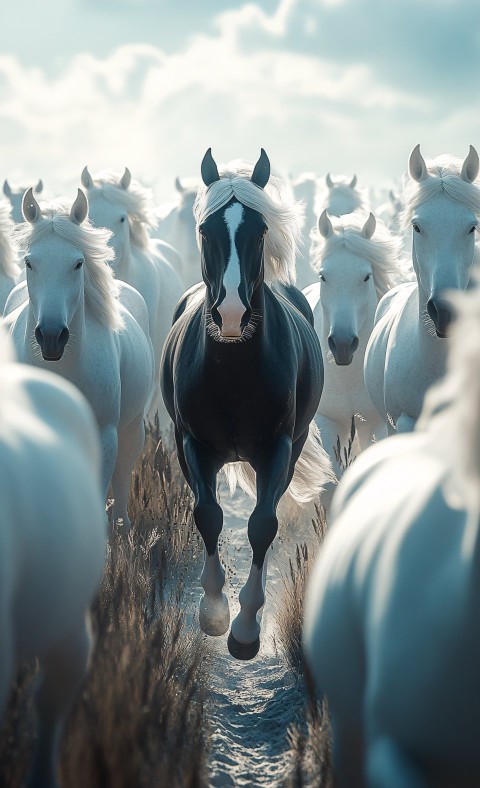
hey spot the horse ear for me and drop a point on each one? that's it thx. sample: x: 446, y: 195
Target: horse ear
x: 30, y: 207
x: 353, y: 182
x: 209, y: 169
x: 324, y: 225
x: 39, y: 186
x: 369, y: 227
x: 416, y: 165
x: 178, y: 185
x: 86, y: 178
x: 329, y: 181
x: 79, y: 209
x: 126, y: 179
x: 261, y: 171
x: 6, y: 188
x: 470, y: 166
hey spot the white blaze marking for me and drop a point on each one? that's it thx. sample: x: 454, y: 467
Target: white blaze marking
x: 232, y: 309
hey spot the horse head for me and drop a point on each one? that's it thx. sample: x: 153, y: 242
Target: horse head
x: 443, y: 219
x: 54, y: 268
x: 232, y: 248
x: 347, y: 290
x: 106, y: 211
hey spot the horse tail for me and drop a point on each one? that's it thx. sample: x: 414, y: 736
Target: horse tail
x: 313, y: 470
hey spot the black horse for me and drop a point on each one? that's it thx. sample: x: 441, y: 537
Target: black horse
x: 242, y: 376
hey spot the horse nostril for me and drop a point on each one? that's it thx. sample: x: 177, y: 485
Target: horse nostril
x: 38, y: 335
x: 64, y: 336
x: 331, y: 344
x: 432, y: 310
x: 354, y: 344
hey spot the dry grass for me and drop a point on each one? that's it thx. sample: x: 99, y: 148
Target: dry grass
x: 140, y: 719
x: 310, y: 741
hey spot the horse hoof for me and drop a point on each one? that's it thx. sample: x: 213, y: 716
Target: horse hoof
x: 243, y: 650
x: 214, y: 620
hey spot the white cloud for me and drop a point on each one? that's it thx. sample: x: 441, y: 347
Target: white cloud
x: 259, y: 81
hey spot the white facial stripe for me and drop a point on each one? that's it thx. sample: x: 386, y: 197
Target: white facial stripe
x: 231, y: 309
x: 233, y: 217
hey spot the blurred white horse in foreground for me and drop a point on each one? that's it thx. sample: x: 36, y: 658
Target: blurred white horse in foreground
x: 52, y: 542
x: 407, y: 349
x: 124, y: 207
x: 73, y: 322
x: 357, y: 260
x: 393, y: 606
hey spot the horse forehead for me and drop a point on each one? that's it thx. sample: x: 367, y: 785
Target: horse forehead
x: 441, y: 209
x: 53, y: 247
x: 102, y: 210
x: 343, y: 266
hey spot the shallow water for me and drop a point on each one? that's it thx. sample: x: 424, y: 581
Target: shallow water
x: 253, y: 703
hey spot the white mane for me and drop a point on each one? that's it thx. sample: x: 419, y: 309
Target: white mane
x: 444, y: 176
x: 382, y: 251
x: 137, y: 201
x: 101, y: 288
x: 8, y: 265
x: 452, y: 407
x: 282, y: 215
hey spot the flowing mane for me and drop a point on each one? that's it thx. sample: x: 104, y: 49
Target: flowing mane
x: 8, y: 265
x: 137, y: 201
x: 282, y: 216
x: 383, y: 250
x: 444, y: 176
x: 101, y: 288
x: 452, y: 407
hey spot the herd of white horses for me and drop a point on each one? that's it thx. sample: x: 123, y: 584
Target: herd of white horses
x: 88, y: 289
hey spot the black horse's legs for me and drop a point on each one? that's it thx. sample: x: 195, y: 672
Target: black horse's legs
x: 203, y: 466
x: 273, y: 476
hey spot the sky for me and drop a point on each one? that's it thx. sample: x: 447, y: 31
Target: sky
x: 346, y: 86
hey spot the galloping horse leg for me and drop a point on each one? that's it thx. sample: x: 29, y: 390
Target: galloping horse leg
x: 130, y: 443
x: 274, y: 472
x: 202, y: 466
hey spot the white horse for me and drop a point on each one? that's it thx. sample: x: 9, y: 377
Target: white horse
x: 305, y: 190
x: 177, y: 226
x: 407, y: 349
x: 15, y: 197
x: 74, y: 322
x: 52, y: 542
x: 392, y: 613
x: 9, y: 269
x: 357, y: 262
x: 124, y: 207
x: 341, y: 196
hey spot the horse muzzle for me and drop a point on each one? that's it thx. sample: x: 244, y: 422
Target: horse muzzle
x: 232, y: 311
x: 342, y: 349
x: 441, y: 315
x: 52, y: 341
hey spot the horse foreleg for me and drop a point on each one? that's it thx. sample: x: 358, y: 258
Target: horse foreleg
x: 202, y: 466
x: 274, y: 473
x: 131, y: 440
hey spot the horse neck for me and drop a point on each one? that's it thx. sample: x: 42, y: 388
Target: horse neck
x: 124, y: 263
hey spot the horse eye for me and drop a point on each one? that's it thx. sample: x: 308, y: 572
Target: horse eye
x: 416, y: 228
x: 322, y: 278
x: 367, y: 277
x: 28, y: 264
x: 473, y: 229
x: 78, y: 265
x: 122, y: 219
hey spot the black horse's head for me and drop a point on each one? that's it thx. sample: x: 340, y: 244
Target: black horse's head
x: 232, y: 257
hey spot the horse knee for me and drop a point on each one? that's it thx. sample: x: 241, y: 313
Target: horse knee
x: 209, y: 521
x: 262, y: 530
